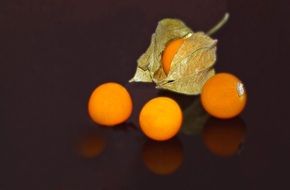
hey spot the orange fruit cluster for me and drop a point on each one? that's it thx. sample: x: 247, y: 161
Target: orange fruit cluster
x: 110, y: 104
x: 223, y: 96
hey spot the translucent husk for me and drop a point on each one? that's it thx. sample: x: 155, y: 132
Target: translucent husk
x: 191, y: 66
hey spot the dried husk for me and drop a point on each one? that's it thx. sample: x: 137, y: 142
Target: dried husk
x: 191, y: 66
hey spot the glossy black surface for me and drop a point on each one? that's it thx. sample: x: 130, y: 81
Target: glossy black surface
x: 53, y: 53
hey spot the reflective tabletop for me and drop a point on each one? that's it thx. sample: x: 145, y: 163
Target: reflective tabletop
x: 53, y: 53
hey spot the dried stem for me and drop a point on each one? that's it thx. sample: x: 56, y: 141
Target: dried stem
x: 219, y: 24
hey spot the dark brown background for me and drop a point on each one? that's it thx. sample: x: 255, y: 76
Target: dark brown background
x: 53, y: 53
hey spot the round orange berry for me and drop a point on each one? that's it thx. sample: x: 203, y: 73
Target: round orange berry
x: 110, y: 104
x: 160, y: 118
x: 169, y: 52
x: 223, y: 96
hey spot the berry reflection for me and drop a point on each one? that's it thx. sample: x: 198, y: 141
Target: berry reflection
x: 224, y: 137
x: 163, y: 158
x: 91, y: 145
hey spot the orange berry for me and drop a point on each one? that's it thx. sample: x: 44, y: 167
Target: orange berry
x: 224, y: 137
x: 110, y: 104
x: 160, y: 118
x: 169, y: 53
x: 163, y: 158
x: 223, y: 96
